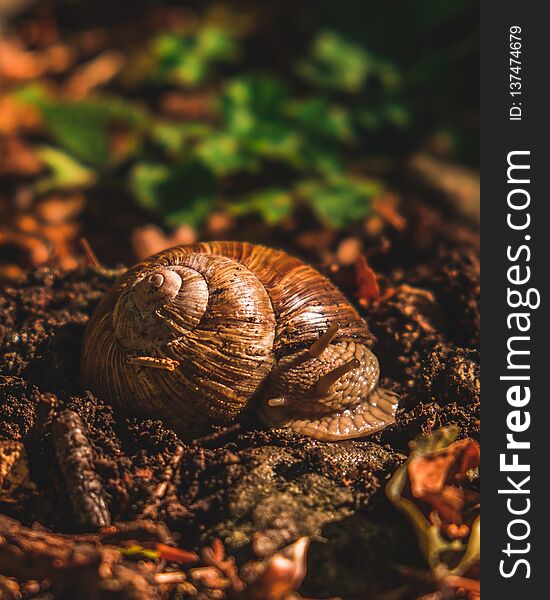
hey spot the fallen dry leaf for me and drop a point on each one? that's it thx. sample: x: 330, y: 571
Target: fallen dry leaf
x: 433, y: 480
x: 98, y: 71
x: 57, y: 208
x: 444, y: 514
x: 368, y: 289
x: 178, y: 555
x: 189, y: 105
x: 17, y: 63
x: 465, y: 584
x: 430, y: 473
x: 348, y: 251
x: 16, y: 116
x: 151, y: 239
x: 219, y: 224
x: 17, y: 158
x: 32, y: 251
x: 386, y: 207
x: 58, y: 58
x: 214, y: 557
x: 283, y: 573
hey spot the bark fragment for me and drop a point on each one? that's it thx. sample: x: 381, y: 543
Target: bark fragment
x: 75, y: 457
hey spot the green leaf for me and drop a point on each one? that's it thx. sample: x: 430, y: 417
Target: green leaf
x: 169, y: 51
x: 322, y: 159
x: 251, y: 103
x: 224, y: 155
x: 188, y: 60
x: 65, y: 172
x: 397, y: 114
x: 33, y: 93
x: 336, y: 64
x: 79, y: 128
x: 339, y: 200
x: 181, y: 194
x: 177, y: 138
x: 318, y: 118
x: 277, y: 142
x: 253, y: 112
x: 273, y: 205
x: 375, y: 117
x: 83, y: 128
x: 215, y: 43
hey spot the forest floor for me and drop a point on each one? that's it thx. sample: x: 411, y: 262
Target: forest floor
x: 146, y: 132
x: 255, y: 489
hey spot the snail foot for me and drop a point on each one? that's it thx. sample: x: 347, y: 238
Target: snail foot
x: 372, y: 414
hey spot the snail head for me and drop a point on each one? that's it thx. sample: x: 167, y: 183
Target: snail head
x: 338, y: 379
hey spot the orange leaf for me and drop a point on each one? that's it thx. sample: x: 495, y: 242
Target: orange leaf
x: 174, y: 554
x: 283, y: 573
x: 367, y: 284
x: 433, y: 477
x: 430, y: 473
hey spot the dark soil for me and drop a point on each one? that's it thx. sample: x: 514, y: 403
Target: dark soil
x: 257, y: 490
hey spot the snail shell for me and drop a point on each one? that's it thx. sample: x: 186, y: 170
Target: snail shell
x: 195, y: 334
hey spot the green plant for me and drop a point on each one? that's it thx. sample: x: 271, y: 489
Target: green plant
x: 306, y: 127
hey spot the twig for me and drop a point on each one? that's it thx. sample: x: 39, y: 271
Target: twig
x: 216, y: 435
x: 169, y: 472
x: 31, y: 554
x: 91, y: 256
x: 78, y: 566
x: 214, y: 556
x: 95, y: 264
x: 170, y: 577
x: 75, y: 457
x: 162, y: 487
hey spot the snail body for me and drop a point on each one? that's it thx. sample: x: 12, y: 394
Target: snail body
x: 196, y: 334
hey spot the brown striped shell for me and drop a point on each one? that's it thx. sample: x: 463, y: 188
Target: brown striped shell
x: 197, y: 333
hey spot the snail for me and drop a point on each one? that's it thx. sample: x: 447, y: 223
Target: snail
x: 197, y: 334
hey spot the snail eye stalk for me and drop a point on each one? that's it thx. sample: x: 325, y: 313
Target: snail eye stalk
x: 327, y: 380
x: 321, y: 344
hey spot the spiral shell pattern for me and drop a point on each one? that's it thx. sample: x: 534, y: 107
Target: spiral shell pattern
x: 224, y: 313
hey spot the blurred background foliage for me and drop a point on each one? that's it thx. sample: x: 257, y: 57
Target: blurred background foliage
x: 255, y: 110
